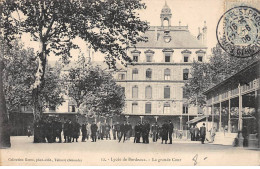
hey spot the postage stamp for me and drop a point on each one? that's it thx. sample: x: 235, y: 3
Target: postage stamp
x: 238, y: 31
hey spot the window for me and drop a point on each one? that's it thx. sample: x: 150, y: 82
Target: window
x: 166, y: 108
x: 186, y: 59
x: 167, y: 92
x: 72, y: 108
x: 148, y: 74
x: 148, y: 108
x: 185, y: 109
x: 167, y: 74
x: 148, y: 92
x: 121, y: 76
x: 185, y: 74
x: 135, y: 74
x: 135, y: 58
x: 134, y: 108
x: 200, y: 58
x: 148, y: 58
x: 135, y: 92
x: 167, y: 57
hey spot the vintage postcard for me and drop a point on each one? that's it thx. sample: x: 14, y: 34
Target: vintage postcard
x: 129, y: 83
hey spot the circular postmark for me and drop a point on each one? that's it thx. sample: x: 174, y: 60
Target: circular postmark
x: 238, y: 31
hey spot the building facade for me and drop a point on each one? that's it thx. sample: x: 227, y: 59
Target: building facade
x: 154, y: 81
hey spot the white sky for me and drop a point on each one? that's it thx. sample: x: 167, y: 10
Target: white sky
x: 190, y: 12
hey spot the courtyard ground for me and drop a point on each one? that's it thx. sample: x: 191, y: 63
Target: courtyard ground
x: 110, y: 152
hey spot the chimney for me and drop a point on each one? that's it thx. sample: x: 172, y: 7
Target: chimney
x: 204, y: 34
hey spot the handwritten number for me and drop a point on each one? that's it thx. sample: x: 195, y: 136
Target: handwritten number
x: 195, y: 159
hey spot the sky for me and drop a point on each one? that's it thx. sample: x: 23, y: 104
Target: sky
x: 189, y: 12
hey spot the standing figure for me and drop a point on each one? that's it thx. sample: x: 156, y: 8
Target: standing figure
x: 196, y: 133
x: 123, y: 131
x: 58, y: 129
x: 102, y: 130
x: 65, y: 130
x: 76, y: 130
x: 107, y: 131
x: 94, y: 128
x: 192, y: 133
x: 170, y: 131
x: 29, y: 131
x: 84, y: 132
x: 129, y: 130
x: 70, y: 131
x: 117, y: 130
x: 88, y: 126
x: 137, y: 133
x: 203, y: 133
x: 146, y: 132
x: 213, y: 134
x: 164, y: 133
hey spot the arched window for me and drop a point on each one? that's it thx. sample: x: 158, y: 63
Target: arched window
x: 166, y: 108
x: 135, y: 74
x: 135, y: 92
x: 148, y: 74
x: 134, y: 108
x: 148, y: 108
x: 167, y: 74
x: 167, y: 92
x: 185, y: 74
x: 148, y: 92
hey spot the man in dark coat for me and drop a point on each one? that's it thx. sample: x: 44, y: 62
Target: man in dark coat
x: 203, y: 133
x: 70, y: 131
x: 76, y: 130
x: 146, y: 132
x: 123, y: 131
x: 192, y: 133
x: 65, y: 130
x: 137, y: 133
x: 84, y: 132
x: 94, y: 128
x: 107, y: 131
x: 170, y: 131
x: 165, y: 128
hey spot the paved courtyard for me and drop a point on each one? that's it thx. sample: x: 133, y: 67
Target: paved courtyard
x: 110, y: 152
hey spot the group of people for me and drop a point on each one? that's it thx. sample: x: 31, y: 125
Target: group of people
x: 198, y: 134
x: 50, y: 129
x: 142, y: 130
x: 47, y: 130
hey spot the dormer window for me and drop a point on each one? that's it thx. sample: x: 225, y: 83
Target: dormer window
x: 167, y: 54
x: 135, y: 54
x: 186, y: 54
x: 149, y: 55
x: 200, y: 54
